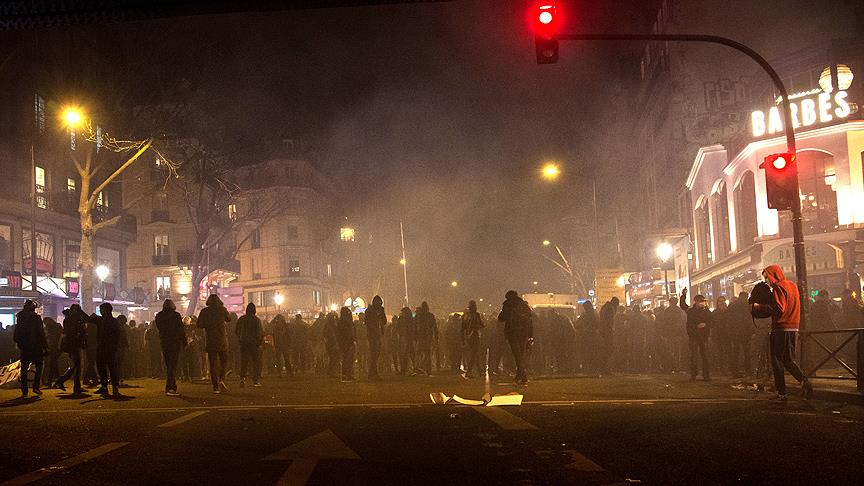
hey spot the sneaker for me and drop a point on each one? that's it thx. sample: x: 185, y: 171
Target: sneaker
x: 217, y: 391
x: 59, y: 385
x: 806, y: 390
x: 223, y: 387
x: 37, y: 391
x: 172, y: 393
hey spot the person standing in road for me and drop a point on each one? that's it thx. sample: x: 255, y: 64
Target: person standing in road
x: 281, y: 344
x: 251, y: 334
x: 29, y: 335
x: 172, y: 337
x: 741, y: 331
x: 472, y: 327
x: 405, y: 336
x: 53, y: 332
x: 519, y: 330
x: 74, y: 340
x: 698, y: 329
x: 375, y: 321
x: 91, y: 377
x: 331, y: 343
x: 212, y: 319
x: 426, y: 333
x: 109, y: 336
x: 721, y: 335
x: 785, y: 318
x: 153, y: 349
x: 346, y: 338
x: 608, y: 315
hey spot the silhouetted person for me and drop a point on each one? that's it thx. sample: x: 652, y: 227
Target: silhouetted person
x: 425, y: 333
x: 405, y: 336
x: 53, y: 332
x: 251, y: 334
x: 281, y: 344
x: 29, y: 336
x: 375, y: 320
x: 346, y: 338
x: 153, y: 348
x: 785, y: 319
x: 608, y: 315
x: 721, y: 334
x: 172, y: 337
x: 91, y: 378
x: 519, y: 331
x: 698, y: 329
x: 331, y: 343
x: 588, y: 338
x: 472, y: 328
x: 212, y: 319
x: 741, y: 328
x: 107, y: 345
x: 74, y: 341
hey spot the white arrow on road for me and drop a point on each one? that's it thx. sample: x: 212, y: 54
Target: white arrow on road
x: 304, y: 456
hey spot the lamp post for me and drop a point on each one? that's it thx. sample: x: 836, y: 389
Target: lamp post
x: 665, y: 252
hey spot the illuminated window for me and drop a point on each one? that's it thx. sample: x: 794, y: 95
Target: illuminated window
x: 70, y: 185
x: 101, y: 200
x: 745, y: 211
x: 71, y: 252
x: 41, y: 200
x: 703, y: 235
x: 163, y: 287
x: 160, y: 245
x: 294, y: 266
x: 329, y: 270
x: 232, y: 212
x: 40, y: 113
x: 346, y: 234
x: 817, y: 181
x: 720, y: 218
x: 316, y: 297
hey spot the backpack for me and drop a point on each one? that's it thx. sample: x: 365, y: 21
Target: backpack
x: 764, y: 296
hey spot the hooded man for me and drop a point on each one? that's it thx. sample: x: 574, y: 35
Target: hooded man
x: 699, y: 320
x: 785, y: 318
x: 251, y: 334
x: 109, y: 334
x: 29, y: 335
x: 375, y: 320
x: 405, y: 337
x: 73, y: 342
x: 426, y: 332
x: 281, y: 344
x: 607, y: 332
x: 213, y: 319
x: 472, y: 325
x: 519, y: 331
x: 172, y: 337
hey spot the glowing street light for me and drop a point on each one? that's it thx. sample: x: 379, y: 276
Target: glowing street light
x: 551, y: 171
x: 546, y: 242
x: 278, y: 299
x: 402, y: 261
x: 536, y: 282
x: 454, y: 284
x: 102, y: 271
x: 72, y: 116
x: 664, y: 251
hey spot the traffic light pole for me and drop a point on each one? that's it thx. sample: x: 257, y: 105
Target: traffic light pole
x: 797, y: 224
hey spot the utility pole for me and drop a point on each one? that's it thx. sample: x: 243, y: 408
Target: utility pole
x: 404, y: 262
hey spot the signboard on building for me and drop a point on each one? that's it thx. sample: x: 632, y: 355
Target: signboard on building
x: 608, y: 283
x: 821, y: 258
x: 807, y: 109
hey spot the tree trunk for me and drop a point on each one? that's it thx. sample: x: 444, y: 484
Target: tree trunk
x: 86, y: 264
x: 198, y: 275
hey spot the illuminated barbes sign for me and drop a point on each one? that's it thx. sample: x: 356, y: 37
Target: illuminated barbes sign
x: 821, y: 108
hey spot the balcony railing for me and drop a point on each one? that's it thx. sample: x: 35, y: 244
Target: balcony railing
x: 162, y: 259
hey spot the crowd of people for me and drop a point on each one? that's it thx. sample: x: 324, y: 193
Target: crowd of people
x: 100, y: 349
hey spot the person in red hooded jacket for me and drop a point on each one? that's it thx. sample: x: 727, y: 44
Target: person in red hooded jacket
x: 785, y: 319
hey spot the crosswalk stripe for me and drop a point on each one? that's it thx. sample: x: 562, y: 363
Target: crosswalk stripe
x: 504, y: 419
x: 63, y: 465
x: 182, y: 419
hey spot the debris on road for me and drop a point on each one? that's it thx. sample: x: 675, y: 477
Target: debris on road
x: 488, y: 400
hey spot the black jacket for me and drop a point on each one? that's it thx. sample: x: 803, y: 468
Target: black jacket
x: 212, y: 319
x: 375, y: 320
x: 74, y: 330
x: 696, y: 316
x: 109, y: 334
x: 29, y: 334
x: 172, y: 335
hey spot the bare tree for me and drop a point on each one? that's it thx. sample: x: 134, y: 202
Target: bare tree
x: 576, y: 270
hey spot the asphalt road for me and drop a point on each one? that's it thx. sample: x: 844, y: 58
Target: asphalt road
x: 310, y: 430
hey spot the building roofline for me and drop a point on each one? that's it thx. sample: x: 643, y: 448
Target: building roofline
x: 697, y: 163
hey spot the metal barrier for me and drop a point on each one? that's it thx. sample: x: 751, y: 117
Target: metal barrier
x: 858, y: 372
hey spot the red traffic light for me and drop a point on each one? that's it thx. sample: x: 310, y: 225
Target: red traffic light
x: 781, y: 181
x: 779, y: 163
x: 546, y: 20
x: 545, y: 16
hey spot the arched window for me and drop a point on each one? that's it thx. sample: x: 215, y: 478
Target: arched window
x: 746, y: 229
x: 703, y: 233
x: 720, y: 213
x: 817, y: 180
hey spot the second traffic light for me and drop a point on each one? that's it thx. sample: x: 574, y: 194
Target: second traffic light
x: 546, y: 24
x: 781, y: 181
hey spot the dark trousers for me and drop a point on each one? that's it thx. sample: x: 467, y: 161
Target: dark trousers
x: 333, y: 358
x: 406, y: 354
x: 519, y: 348
x: 90, y: 374
x: 156, y: 363
x: 253, y: 354
x: 741, y: 346
x: 347, y: 352
x: 699, y: 347
x: 53, y: 371
x: 38, y: 362
x: 171, y: 355
x: 423, y: 357
x: 282, y: 357
x: 218, y: 364
x: 374, y: 354
x: 474, y: 361
x: 73, y: 371
x: 782, y: 350
x: 106, y: 362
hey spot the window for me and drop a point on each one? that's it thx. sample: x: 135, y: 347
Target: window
x: 163, y: 287
x: 255, y: 238
x: 703, y: 235
x: 818, y: 183
x: 720, y: 220
x: 41, y: 200
x: 316, y: 297
x: 292, y: 232
x: 745, y: 211
x: 40, y: 113
x: 262, y: 299
x: 346, y: 234
x: 232, y: 212
x: 160, y: 247
x: 70, y: 185
x: 71, y: 252
x: 294, y: 266
x: 329, y: 270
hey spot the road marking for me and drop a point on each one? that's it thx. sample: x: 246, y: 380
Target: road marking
x: 242, y: 409
x: 184, y: 418
x: 312, y: 407
x: 63, y: 465
x: 504, y: 419
x: 385, y: 407
x: 304, y: 456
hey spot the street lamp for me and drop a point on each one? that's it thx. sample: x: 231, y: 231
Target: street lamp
x: 546, y: 242
x: 72, y: 116
x: 665, y: 252
x: 102, y: 271
x: 551, y: 171
x: 402, y: 261
x: 278, y: 299
x: 454, y: 284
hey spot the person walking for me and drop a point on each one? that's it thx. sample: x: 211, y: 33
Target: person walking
x: 109, y: 335
x: 73, y: 342
x: 91, y: 377
x: 250, y: 331
x: 53, y: 332
x: 785, y: 318
x: 519, y: 331
x: 346, y: 337
x: 172, y: 337
x: 472, y: 327
x: 426, y: 333
x: 212, y: 319
x: 281, y: 344
x: 376, y: 320
x: 29, y: 336
x: 698, y: 330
